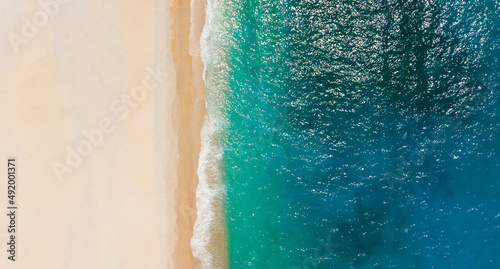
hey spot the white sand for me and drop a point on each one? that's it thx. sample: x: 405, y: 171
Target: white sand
x: 116, y: 208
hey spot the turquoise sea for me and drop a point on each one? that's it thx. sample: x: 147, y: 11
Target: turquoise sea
x: 357, y: 134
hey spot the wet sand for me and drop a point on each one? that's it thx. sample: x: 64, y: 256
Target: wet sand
x: 189, y: 117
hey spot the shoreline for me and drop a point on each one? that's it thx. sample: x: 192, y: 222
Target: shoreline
x: 209, y: 238
x: 189, y: 115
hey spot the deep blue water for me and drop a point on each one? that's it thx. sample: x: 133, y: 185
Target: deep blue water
x: 358, y: 134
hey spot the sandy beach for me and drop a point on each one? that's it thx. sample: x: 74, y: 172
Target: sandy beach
x: 102, y: 106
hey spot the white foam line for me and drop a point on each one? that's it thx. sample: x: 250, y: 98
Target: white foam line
x: 210, y: 188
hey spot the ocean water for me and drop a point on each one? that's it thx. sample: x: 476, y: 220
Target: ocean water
x: 353, y: 134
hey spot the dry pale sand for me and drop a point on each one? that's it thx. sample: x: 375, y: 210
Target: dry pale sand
x: 80, y: 72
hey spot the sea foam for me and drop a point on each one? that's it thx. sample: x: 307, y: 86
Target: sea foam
x: 210, y: 189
